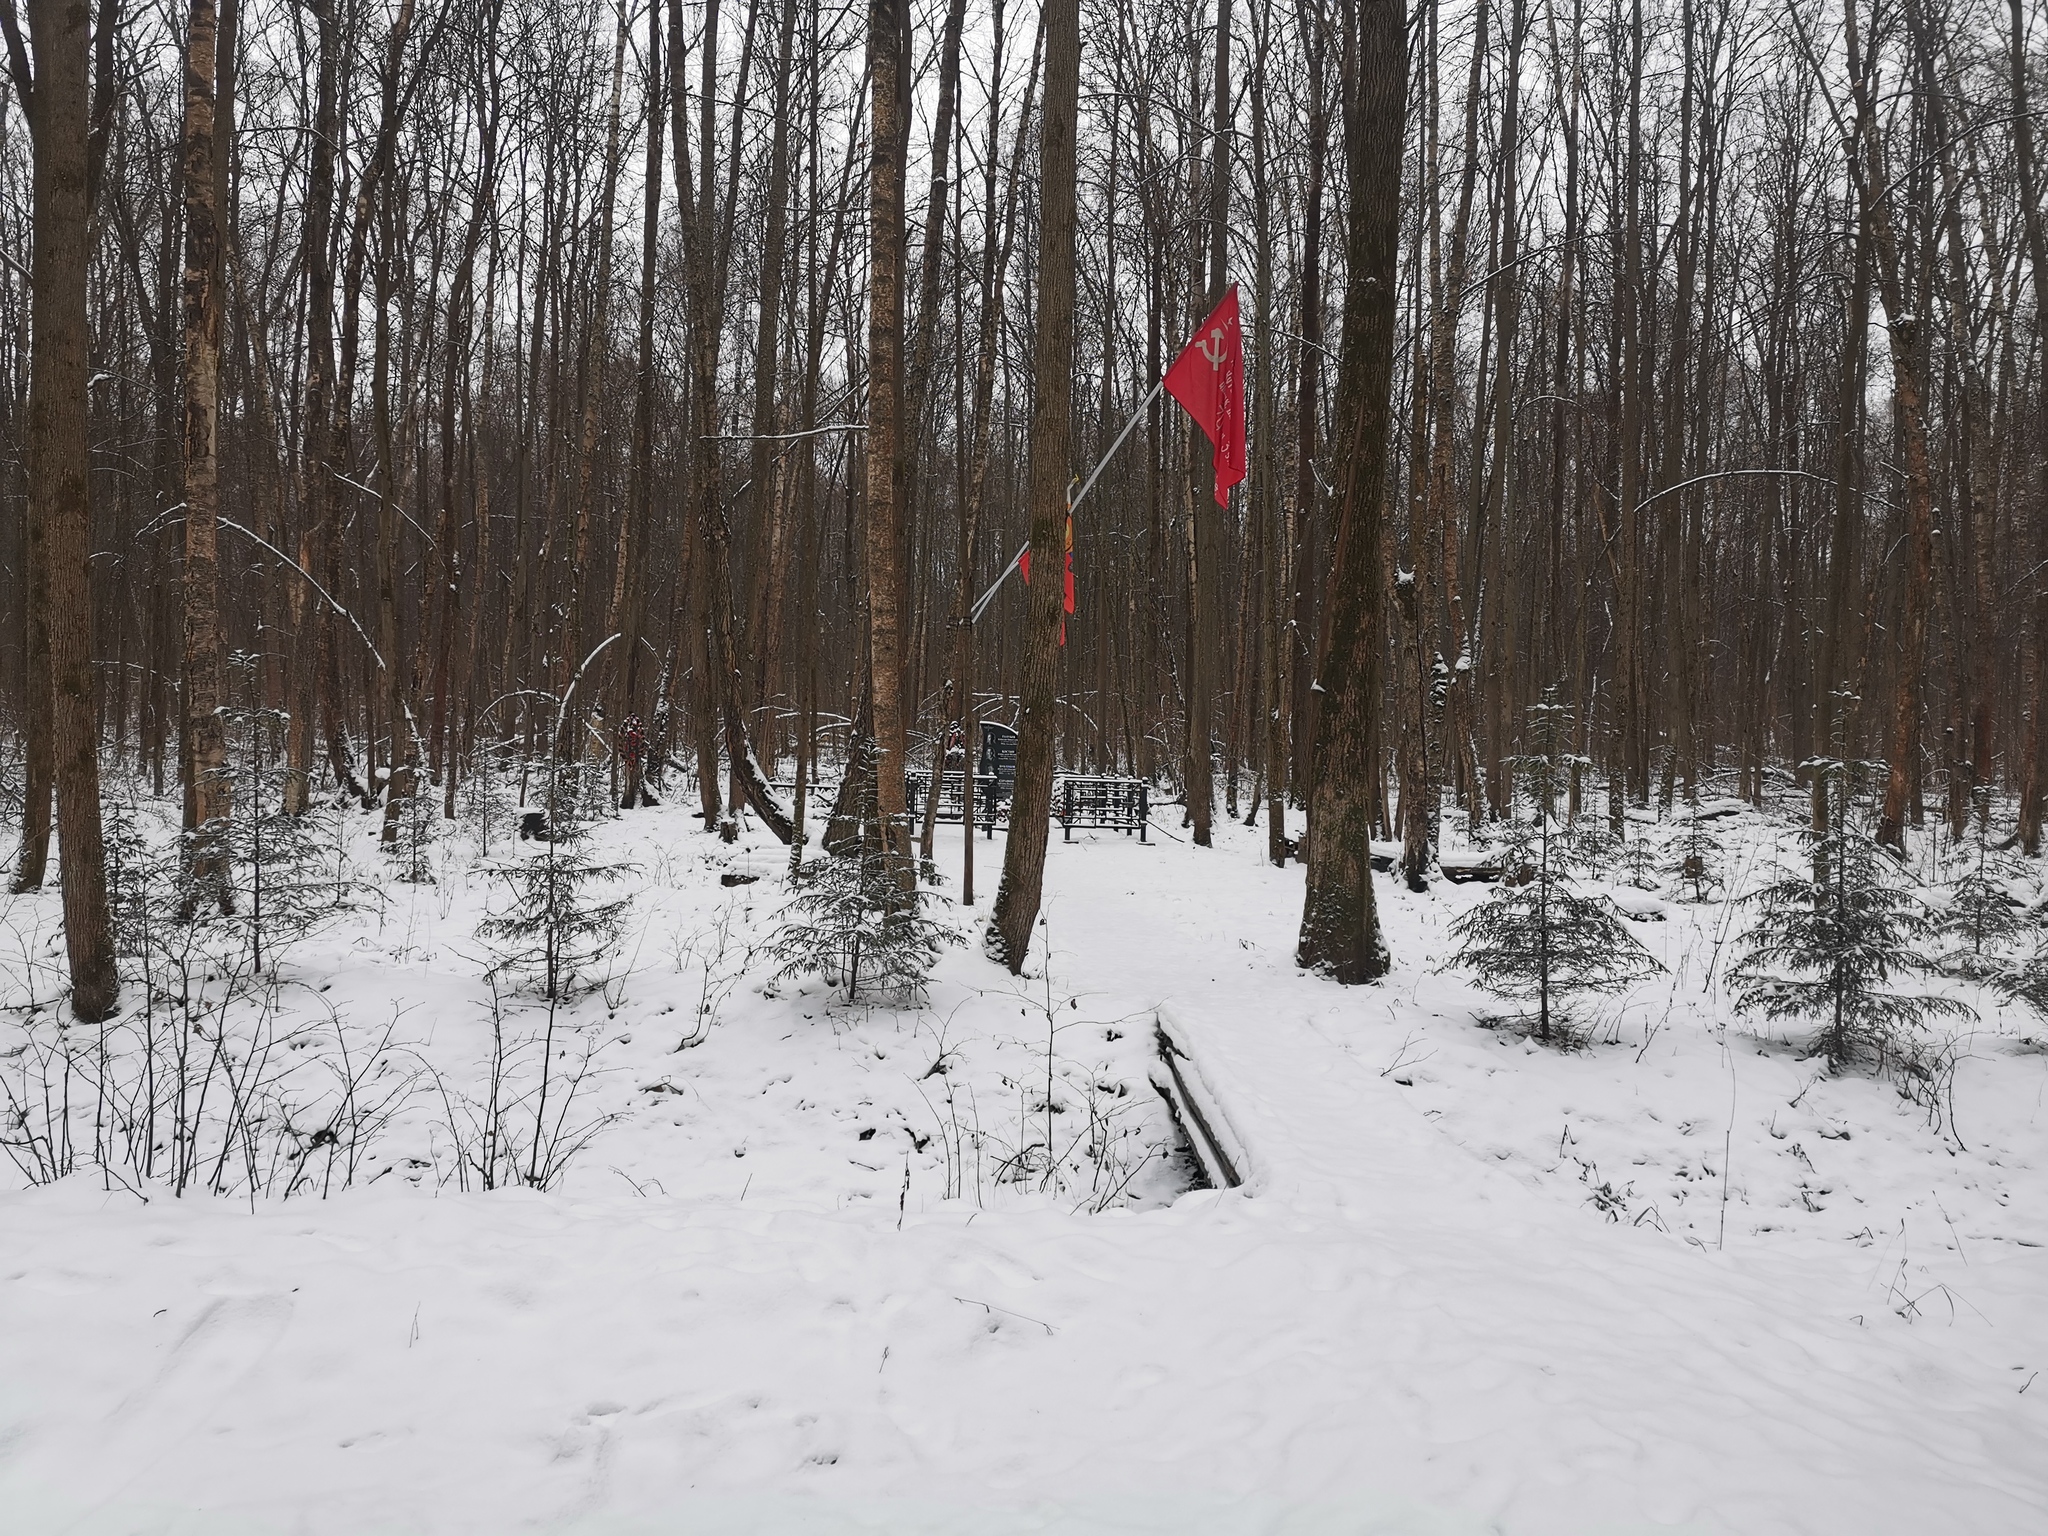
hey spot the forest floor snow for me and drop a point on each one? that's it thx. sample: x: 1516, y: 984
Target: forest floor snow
x: 1679, y: 1278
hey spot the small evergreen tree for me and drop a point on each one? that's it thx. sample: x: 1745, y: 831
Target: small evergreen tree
x: 1694, y: 857
x: 1593, y: 847
x: 1981, y: 917
x: 1639, y: 860
x: 289, y: 876
x: 849, y: 922
x: 559, y: 922
x: 419, y: 824
x: 1536, y: 937
x: 136, y: 874
x: 488, y: 796
x: 1829, y: 948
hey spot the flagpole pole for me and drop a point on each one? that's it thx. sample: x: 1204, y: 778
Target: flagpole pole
x: 1096, y: 474
x: 1074, y: 505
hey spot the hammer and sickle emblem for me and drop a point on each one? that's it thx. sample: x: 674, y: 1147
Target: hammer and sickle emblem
x: 1216, y: 357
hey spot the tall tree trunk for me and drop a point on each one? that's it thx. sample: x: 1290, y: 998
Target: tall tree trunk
x: 2032, y: 191
x: 1019, y: 893
x: 317, y: 258
x: 596, y: 351
x: 1630, y: 768
x: 1340, y: 930
x: 997, y: 236
x: 924, y: 334
x: 1458, y: 761
x: 1838, y: 662
x: 882, y: 540
x: 208, y: 792
x: 1204, y: 580
x: 1273, y: 551
x: 1306, y: 538
x: 635, y: 674
x: 447, y: 577
x: 1902, y: 332
x: 38, y: 704
x: 771, y: 511
x: 706, y: 238
x: 60, y: 663
x: 1969, y: 563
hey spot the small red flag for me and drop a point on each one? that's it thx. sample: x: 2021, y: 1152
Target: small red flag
x: 1024, y: 569
x: 1208, y: 380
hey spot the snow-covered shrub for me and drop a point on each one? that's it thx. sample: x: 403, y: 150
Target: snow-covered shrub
x: 2023, y: 980
x: 718, y: 954
x: 848, y: 921
x: 1829, y: 949
x: 211, y: 1086
x: 532, y: 1117
x: 1080, y: 1134
x: 1080, y: 1137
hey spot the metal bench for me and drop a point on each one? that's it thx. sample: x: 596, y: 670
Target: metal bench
x: 1092, y: 801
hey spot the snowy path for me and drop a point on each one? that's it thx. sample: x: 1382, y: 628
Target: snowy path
x: 1384, y: 1332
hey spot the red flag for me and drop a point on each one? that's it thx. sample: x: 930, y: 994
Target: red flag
x: 1208, y: 380
x: 1024, y: 569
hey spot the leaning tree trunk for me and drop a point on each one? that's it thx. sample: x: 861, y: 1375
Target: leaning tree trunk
x: 1340, y: 929
x: 1017, y: 897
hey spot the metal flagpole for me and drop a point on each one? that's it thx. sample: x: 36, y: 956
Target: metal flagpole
x: 1089, y: 484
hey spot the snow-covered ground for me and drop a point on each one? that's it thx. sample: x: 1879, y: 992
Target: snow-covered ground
x: 810, y: 1272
